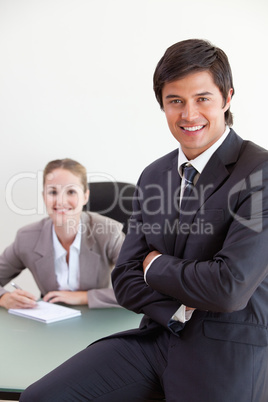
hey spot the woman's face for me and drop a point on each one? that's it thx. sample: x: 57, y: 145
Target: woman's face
x: 64, y: 197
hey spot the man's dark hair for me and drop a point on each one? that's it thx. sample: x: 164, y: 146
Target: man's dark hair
x: 192, y: 56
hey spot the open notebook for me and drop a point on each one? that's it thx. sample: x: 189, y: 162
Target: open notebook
x: 46, y: 312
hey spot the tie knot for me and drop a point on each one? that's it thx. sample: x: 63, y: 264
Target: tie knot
x: 189, y: 173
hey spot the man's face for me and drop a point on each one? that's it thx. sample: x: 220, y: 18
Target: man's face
x: 194, y: 109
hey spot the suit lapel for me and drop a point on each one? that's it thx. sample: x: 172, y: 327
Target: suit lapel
x: 217, y: 169
x: 45, y: 263
x: 171, y: 182
x: 87, y: 255
x: 214, y: 174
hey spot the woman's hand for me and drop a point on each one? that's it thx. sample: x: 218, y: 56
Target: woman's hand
x: 18, y: 299
x: 66, y: 296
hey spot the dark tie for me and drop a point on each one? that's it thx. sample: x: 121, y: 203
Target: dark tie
x: 189, y: 173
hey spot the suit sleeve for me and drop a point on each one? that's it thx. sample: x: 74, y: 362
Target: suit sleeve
x: 11, y: 264
x: 105, y: 297
x: 128, y: 279
x: 226, y: 282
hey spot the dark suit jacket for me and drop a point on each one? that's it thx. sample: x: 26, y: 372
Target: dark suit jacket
x: 215, y: 260
x: 101, y: 242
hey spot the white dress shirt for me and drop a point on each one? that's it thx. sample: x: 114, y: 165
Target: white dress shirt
x: 68, y: 275
x: 199, y: 164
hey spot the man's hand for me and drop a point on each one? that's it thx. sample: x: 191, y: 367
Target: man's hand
x: 66, y: 296
x: 147, y: 261
x: 149, y: 258
x: 18, y: 299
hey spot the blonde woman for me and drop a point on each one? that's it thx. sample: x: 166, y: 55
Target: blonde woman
x: 70, y: 253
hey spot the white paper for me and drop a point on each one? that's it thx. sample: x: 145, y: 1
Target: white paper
x: 46, y: 312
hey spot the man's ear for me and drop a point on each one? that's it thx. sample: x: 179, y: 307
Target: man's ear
x: 228, y: 99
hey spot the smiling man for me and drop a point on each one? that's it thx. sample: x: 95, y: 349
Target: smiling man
x: 201, y: 279
x: 195, y: 108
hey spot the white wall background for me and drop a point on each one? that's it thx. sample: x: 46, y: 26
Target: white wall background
x: 76, y: 81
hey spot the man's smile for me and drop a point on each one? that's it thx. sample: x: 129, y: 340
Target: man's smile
x: 192, y: 128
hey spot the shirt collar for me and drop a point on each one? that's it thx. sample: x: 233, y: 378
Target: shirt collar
x: 201, y: 160
x: 59, y: 250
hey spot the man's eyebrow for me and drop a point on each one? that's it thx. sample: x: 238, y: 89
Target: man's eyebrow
x: 172, y: 96
x: 206, y: 93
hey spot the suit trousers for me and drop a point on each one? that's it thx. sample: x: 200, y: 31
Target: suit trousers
x: 116, y: 369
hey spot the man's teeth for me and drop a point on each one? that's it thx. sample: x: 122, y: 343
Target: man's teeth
x: 193, y: 128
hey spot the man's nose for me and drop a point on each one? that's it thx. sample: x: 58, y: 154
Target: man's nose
x: 189, y: 111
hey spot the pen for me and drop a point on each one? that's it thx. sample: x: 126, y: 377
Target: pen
x: 15, y: 285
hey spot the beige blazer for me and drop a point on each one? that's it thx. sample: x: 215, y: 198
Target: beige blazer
x: 101, y: 242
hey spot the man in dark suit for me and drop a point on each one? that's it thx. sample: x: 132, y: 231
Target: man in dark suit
x: 195, y: 260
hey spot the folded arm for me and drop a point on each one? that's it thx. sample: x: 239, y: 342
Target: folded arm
x: 223, y: 283
x: 227, y: 281
x: 131, y: 290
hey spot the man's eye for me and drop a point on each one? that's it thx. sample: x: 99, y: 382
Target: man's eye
x: 202, y: 99
x: 176, y: 101
x: 52, y: 192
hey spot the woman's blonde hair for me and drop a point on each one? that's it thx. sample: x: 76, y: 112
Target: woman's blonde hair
x: 68, y: 164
